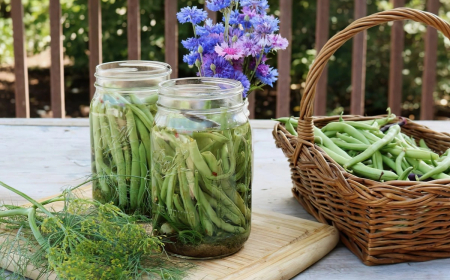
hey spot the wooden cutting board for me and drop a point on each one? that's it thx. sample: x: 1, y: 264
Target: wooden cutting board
x: 279, y: 247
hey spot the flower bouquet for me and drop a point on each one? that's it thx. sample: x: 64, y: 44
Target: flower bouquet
x: 238, y: 47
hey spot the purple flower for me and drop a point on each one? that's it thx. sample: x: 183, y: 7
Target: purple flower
x: 244, y: 81
x: 270, y: 77
x: 259, y: 5
x: 229, y: 52
x: 265, y: 25
x: 217, y: 5
x: 191, y: 58
x: 217, y: 66
x: 192, y: 15
x: 263, y: 69
x: 249, y: 13
x: 248, y: 46
x: 277, y: 42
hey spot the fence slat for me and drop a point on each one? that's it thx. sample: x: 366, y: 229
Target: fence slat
x: 171, y: 35
x: 134, y: 30
x: 429, y: 72
x: 322, y: 29
x: 57, y: 66
x: 284, y: 61
x: 396, y: 63
x: 358, y: 63
x: 95, y: 40
x: 20, y: 61
x: 252, y: 104
x: 211, y: 14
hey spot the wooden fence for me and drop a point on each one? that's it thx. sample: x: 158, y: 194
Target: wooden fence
x: 171, y: 50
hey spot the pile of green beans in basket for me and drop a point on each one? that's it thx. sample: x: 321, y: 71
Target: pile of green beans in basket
x: 378, y: 150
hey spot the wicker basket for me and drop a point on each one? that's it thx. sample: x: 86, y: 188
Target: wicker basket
x: 381, y: 223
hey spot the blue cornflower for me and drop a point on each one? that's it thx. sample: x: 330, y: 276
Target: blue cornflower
x: 234, y: 17
x: 222, y: 68
x: 270, y: 77
x: 239, y: 76
x: 209, y: 27
x: 190, y: 44
x: 259, y: 5
x: 191, y: 58
x: 209, y: 42
x: 265, y: 25
x: 192, y: 15
x: 217, y: 5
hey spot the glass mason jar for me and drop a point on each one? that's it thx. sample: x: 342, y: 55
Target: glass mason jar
x: 121, y: 118
x: 201, y: 167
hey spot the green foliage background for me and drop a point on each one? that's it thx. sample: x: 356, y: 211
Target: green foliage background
x: 152, y: 36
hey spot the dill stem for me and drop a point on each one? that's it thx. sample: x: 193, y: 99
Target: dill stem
x: 14, y: 212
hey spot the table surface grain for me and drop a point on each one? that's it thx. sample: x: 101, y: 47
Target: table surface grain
x: 42, y: 156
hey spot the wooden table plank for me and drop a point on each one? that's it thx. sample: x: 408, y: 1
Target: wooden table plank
x: 58, y: 154
x: 22, y: 98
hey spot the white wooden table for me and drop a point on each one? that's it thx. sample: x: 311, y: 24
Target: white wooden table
x: 42, y: 156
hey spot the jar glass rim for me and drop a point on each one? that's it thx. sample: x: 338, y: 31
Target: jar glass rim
x: 132, y: 70
x: 206, y: 88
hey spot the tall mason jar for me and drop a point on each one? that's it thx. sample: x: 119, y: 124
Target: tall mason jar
x: 121, y: 118
x: 201, y: 167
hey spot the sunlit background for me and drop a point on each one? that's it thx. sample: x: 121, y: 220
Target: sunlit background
x: 114, y: 28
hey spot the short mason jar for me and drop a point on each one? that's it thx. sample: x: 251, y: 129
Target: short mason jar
x: 121, y: 118
x: 201, y: 167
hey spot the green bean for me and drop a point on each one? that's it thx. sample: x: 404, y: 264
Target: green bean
x: 215, y: 136
x: 205, y: 222
x: 392, y: 132
x: 170, y: 194
x: 225, y: 156
x: 138, y: 103
x: 127, y: 156
x: 349, y: 146
x: 413, y: 153
x: 404, y: 164
x: 425, y: 168
x: 290, y: 128
x: 343, y: 127
x: 211, y: 161
x: 192, y: 214
x: 348, y: 139
x: 96, y: 128
x: 398, y: 163
x: 293, y: 121
x: 178, y: 204
x: 157, y: 183
x: 329, y: 143
x: 135, y: 159
x: 330, y: 133
x: 152, y: 99
x: 379, y: 162
x: 145, y: 138
x: 223, y: 211
x: 370, y: 136
x: 144, y: 170
x: 359, y: 168
x: 442, y: 166
x: 389, y: 162
x: 404, y: 175
x: 422, y: 144
x: 120, y: 162
x: 361, y: 125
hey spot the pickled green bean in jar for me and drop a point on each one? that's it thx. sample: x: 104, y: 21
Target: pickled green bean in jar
x: 201, y: 167
x: 121, y: 119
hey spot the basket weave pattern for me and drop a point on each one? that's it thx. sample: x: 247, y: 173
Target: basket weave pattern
x: 380, y: 222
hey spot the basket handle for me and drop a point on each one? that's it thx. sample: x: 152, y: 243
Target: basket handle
x: 305, y: 126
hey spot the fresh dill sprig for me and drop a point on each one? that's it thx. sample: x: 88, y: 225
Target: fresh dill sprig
x: 85, y: 240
